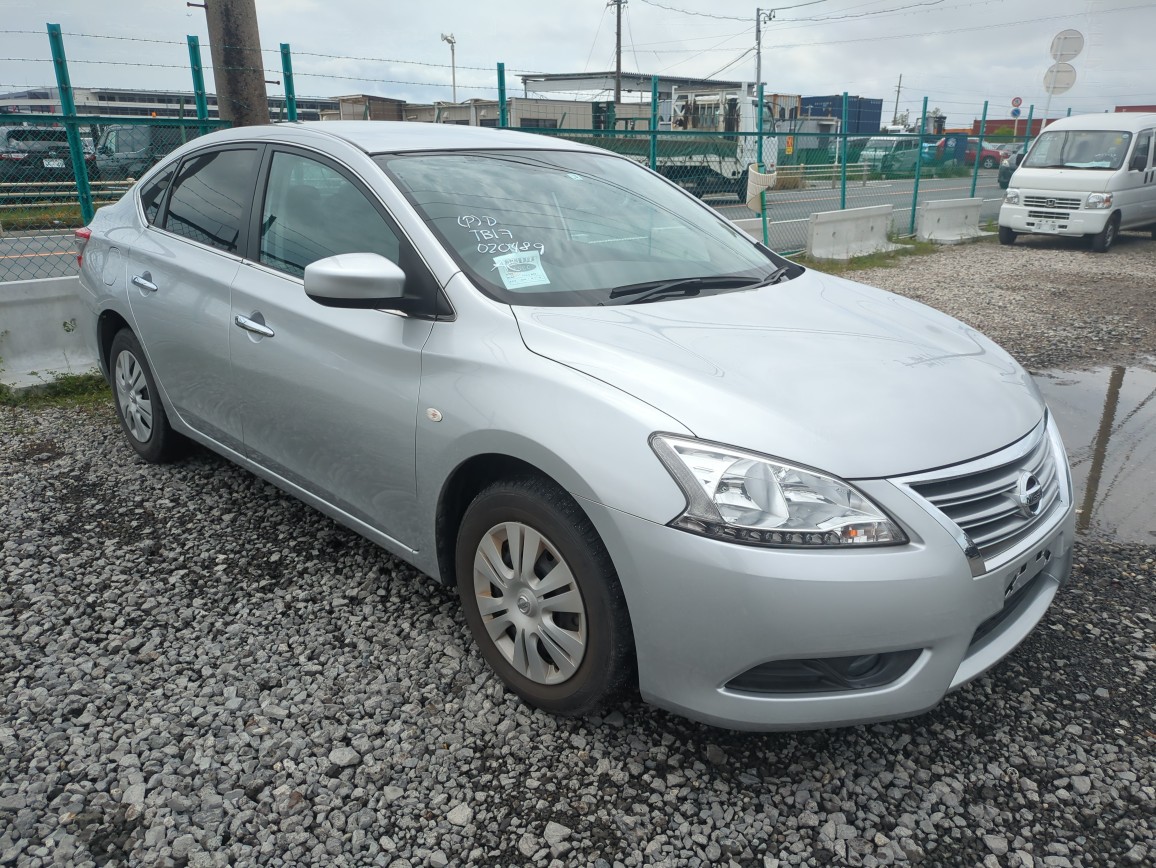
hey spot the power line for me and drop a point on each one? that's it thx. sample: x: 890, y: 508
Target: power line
x: 727, y: 17
x: 953, y: 30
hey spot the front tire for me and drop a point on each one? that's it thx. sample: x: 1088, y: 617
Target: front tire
x: 1103, y: 240
x: 541, y: 597
x: 1007, y: 235
x: 988, y: 163
x: 138, y: 404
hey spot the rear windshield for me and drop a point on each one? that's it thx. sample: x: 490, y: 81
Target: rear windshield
x: 1079, y: 149
x: 35, y: 140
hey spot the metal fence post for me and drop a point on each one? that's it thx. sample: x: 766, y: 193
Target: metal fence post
x: 287, y: 74
x: 71, y: 122
x: 759, y: 160
x: 501, y: 94
x: 198, y: 82
x: 978, y: 149
x: 918, y: 165
x: 654, y: 123
x: 843, y: 156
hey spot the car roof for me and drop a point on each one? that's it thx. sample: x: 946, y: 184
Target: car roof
x: 391, y: 137
x: 1127, y: 121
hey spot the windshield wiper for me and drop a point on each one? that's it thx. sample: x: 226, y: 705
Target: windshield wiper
x: 776, y: 276
x: 691, y: 286
x: 680, y: 286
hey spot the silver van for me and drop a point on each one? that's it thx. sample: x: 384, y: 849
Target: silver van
x: 1089, y: 175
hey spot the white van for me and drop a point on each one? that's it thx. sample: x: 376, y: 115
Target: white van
x: 1085, y: 175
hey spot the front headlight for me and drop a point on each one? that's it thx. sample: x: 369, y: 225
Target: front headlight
x: 1011, y: 197
x: 744, y: 497
x: 1098, y: 200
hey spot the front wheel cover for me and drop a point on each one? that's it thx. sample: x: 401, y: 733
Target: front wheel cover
x: 541, y: 597
x: 1103, y: 240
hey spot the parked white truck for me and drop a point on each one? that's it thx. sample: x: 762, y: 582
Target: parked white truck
x: 717, y: 161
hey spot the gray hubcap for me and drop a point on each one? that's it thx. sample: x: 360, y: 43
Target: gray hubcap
x: 132, y: 394
x: 529, y: 602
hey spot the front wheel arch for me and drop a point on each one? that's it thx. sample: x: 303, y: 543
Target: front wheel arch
x: 460, y: 488
x: 1103, y: 240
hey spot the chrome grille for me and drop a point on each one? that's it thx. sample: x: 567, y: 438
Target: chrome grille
x: 1051, y: 202
x: 984, y: 504
x: 1049, y: 215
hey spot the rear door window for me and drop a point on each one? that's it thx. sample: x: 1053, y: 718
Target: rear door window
x: 211, y: 196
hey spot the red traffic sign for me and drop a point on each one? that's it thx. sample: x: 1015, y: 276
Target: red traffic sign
x: 1016, y: 102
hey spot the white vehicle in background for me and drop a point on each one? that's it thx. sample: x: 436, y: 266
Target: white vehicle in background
x: 714, y: 164
x: 1085, y: 175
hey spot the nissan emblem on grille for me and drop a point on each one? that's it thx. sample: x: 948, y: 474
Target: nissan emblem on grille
x: 1028, y: 494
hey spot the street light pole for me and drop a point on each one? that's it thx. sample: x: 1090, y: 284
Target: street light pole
x: 449, y: 37
x: 761, y: 15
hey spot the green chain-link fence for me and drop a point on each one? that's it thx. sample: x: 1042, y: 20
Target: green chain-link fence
x: 40, y: 205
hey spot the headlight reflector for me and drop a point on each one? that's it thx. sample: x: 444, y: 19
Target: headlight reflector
x: 1099, y: 200
x: 744, y: 497
x: 1011, y: 197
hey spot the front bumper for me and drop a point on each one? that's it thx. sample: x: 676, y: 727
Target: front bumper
x: 1042, y: 220
x: 705, y: 612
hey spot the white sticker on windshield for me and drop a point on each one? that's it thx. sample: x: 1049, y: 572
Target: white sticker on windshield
x: 521, y: 269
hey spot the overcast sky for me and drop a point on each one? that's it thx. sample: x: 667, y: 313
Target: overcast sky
x: 956, y: 52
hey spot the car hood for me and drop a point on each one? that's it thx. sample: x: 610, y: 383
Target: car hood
x: 1064, y: 180
x: 819, y: 370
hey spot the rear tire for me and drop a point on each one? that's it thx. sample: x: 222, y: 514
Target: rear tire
x: 1103, y: 240
x: 138, y: 404
x: 988, y: 163
x: 1007, y: 235
x: 541, y: 597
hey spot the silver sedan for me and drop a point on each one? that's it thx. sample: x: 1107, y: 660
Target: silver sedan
x: 651, y: 454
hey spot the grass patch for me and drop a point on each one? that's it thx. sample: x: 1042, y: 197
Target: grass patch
x: 41, y: 217
x: 63, y: 390
x: 884, y: 259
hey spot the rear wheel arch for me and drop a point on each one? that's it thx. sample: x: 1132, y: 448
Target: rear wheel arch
x: 108, y: 325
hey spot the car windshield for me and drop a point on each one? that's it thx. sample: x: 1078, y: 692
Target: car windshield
x: 880, y: 144
x: 569, y: 228
x: 1079, y: 149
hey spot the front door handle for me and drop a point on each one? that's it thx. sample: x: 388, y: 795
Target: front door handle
x: 253, y: 326
x: 144, y: 281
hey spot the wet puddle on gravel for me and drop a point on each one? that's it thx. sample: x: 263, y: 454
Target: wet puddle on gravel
x: 1107, y: 417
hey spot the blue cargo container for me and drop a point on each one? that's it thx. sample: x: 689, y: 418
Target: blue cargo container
x: 864, y: 115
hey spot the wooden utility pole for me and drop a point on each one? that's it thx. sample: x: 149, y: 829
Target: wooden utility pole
x: 238, y: 69
x: 618, y: 4
x: 898, y: 88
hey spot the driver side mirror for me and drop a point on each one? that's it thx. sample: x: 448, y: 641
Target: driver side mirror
x: 1139, y: 161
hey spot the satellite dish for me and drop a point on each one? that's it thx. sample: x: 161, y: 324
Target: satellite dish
x: 1067, y: 45
x: 1059, y: 78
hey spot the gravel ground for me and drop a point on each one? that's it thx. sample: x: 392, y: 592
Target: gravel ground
x: 199, y: 670
x: 1050, y: 301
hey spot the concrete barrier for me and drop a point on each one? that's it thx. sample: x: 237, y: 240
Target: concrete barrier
x: 38, y: 335
x: 853, y: 232
x: 948, y: 221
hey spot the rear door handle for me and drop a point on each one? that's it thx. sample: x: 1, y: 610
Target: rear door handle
x: 253, y: 326
x: 144, y: 281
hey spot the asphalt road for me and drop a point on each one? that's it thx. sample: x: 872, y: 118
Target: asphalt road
x: 28, y: 255
x: 789, y: 210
